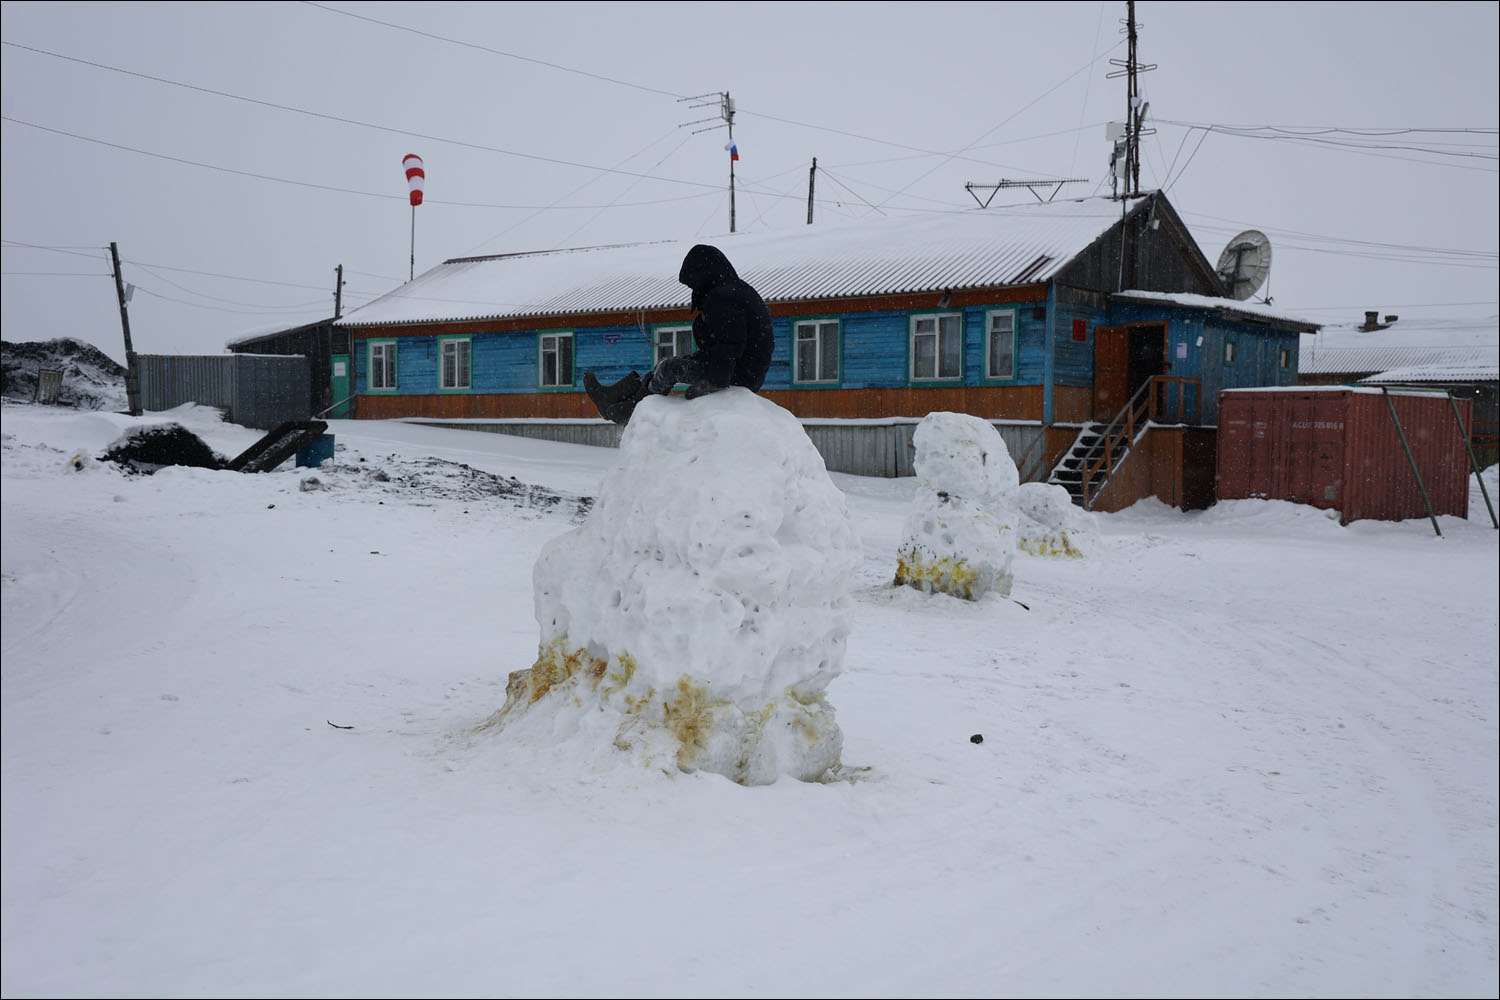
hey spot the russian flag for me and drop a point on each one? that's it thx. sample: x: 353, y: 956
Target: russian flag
x: 734, y: 150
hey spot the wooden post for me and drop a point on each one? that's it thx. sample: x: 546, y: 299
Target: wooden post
x: 811, y: 176
x: 132, y: 367
x: 1410, y: 458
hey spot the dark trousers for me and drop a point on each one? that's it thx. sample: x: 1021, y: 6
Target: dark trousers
x: 684, y: 369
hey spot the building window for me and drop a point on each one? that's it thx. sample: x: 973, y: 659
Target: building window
x: 1229, y: 352
x: 1000, y: 345
x: 672, y: 342
x: 937, y: 347
x: 382, y: 371
x: 1286, y: 358
x: 454, y: 373
x: 815, y: 346
x: 555, y: 360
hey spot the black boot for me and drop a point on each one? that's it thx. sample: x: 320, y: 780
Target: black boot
x: 620, y: 412
x: 605, y: 397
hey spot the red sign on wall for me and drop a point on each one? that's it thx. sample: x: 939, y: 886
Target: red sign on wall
x: 1080, y: 329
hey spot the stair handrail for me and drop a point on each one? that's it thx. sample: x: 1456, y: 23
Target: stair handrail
x: 1129, y: 415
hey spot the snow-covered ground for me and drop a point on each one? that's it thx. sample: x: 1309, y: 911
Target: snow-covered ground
x: 1241, y: 752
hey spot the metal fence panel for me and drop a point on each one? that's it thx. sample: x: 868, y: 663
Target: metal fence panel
x: 253, y: 390
x: 271, y: 389
x: 170, y: 380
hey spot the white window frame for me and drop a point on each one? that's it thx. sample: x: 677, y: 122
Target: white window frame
x: 463, y: 364
x: 386, y: 349
x: 990, y: 333
x: 681, y: 341
x: 824, y: 336
x: 939, y: 357
x: 550, y: 343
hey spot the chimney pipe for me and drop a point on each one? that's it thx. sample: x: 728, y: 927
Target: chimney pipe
x: 1372, y: 319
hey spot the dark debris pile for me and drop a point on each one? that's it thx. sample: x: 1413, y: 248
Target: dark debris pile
x: 147, y: 449
x: 458, y: 481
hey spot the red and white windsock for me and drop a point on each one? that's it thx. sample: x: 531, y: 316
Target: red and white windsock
x: 415, y: 178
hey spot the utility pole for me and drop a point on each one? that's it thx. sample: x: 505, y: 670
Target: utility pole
x: 338, y: 291
x: 132, y: 367
x: 811, y: 177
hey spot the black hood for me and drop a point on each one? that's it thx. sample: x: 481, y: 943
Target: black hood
x: 704, y: 268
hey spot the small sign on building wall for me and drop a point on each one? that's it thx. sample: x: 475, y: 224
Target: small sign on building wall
x: 1080, y: 330
x: 339, y: 371
x: 611, y: 339
x: 1181, y: 350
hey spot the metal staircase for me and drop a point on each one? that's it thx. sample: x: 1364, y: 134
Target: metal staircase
x: 1087, y: 452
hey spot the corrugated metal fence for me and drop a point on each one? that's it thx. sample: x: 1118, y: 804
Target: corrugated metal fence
x: 886, y: 449
x: 254, y: 390
x: 858, y: 448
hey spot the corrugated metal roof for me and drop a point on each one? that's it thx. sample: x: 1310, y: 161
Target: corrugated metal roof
x: 976, y: 248
x: 1353, y: 360
x: 1436, y: 373
x: 1461, y: 341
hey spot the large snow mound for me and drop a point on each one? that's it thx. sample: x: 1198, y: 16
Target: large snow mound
x: 705, y: 603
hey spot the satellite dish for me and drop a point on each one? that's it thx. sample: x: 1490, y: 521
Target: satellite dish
x: 1244, y: 264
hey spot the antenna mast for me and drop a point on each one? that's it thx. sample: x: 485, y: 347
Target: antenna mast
x: 1126, y: 160
x: 726, y: 116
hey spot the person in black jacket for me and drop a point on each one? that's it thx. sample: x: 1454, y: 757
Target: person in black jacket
x: 731, y: 330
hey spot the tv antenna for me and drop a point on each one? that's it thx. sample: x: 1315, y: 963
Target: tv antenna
x: 724, y: 117
x: 1029, y: 185
x: 1244, y: 264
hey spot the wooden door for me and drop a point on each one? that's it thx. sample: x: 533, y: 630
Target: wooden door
x: 1111, y: 371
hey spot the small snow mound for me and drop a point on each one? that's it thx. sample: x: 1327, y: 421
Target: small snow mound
x: 706, y: 600
x: 1051, y: 524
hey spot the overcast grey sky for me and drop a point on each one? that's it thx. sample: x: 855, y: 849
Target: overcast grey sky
x: 238, y: 152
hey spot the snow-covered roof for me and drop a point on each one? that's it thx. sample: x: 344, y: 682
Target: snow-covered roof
x: 1232, y: 307
x: 1435, y: 373
x: 1014, y: 245
x: 266, y: 332
x: 1430, y: 342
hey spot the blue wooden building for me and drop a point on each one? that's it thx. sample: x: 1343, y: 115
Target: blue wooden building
x: 1055, y: 321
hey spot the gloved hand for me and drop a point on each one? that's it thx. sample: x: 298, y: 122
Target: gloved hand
x: 702, y: 387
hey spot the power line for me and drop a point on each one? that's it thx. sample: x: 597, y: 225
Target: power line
x: 51, y: 274
x: 1383, y: 150
x: 342, y: 120
x: 626, y: 83
x: 496, y: 52
x: 182, y: 288
x: 72, y: 252
x: 1345, y: 241
x: 1029, y: 104
x: 330, y: 188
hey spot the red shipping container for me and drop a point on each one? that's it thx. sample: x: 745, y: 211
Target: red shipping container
x: 1339, y: 448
